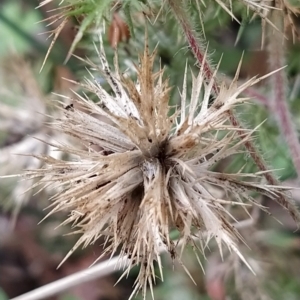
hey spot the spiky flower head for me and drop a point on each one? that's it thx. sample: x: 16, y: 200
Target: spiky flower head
x: 141, y: 172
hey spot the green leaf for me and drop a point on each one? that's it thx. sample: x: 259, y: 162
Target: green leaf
x: 129, y: 19
x: 93, y: 12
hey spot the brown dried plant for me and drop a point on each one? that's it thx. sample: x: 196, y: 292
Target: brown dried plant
x: 142, y: 172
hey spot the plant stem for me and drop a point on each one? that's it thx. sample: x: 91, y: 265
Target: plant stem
x: 278, y: 83
x: 99, y: 270
x: 256, y: 95
x: 259, y: 161
x: 179, y: 11
x: 193, y: 40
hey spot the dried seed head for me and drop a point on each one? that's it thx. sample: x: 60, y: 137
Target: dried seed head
x: 141, y: 173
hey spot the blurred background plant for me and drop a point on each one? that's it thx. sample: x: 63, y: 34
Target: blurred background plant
x: 29, y: 254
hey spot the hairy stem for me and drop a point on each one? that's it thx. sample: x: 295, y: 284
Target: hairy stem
x: 278, y: 84
x: 256, y: 95
x: 179, y: 11
x: 259, y: 161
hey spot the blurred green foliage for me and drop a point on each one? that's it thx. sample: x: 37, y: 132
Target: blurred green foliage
x: 14, y: 36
